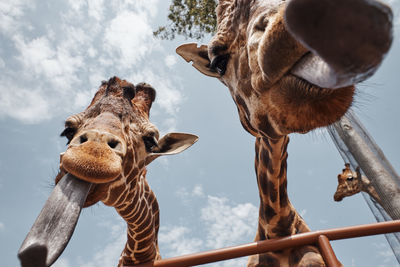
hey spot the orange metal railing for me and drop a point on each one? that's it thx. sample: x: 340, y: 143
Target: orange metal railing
x: 320, y: 238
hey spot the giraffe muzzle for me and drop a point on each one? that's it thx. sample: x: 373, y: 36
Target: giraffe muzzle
x: 348, y: 39
x: 337, y: 197
x: 95, y: 156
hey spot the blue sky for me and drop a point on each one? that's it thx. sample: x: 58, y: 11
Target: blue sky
x: 53, y: 56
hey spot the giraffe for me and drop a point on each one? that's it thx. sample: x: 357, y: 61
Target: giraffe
x: 254, y: 55
x: 351, y: 183
x: 109, y: 144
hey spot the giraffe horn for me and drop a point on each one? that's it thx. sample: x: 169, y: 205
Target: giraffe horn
x: 55, y: 224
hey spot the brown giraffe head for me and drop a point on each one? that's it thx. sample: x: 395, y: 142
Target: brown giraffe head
x: 114, y: 138
x: 257, y: 58
x: 349, y: 183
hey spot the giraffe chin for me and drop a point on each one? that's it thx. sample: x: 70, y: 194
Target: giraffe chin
x: 93, y: 163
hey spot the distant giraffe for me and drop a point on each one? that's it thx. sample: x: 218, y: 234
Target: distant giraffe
x: 351, y: 183
x: 109, y: 145
x: 256, y: 57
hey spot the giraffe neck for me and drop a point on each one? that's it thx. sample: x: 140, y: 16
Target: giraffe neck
x: 277, y: 216
x: 136, y: 203
x: 367, y: 187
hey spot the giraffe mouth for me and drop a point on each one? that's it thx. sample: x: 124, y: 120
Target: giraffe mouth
x: 315, y: 70
x: 92, y: 162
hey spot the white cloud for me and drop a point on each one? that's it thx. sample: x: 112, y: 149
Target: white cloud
x: 109, y: 255
x: 10, y: 14
x: 168, y: 97
x: 198, y: 191
x: 28, y: 106
x: 168, y: 125
x: 52, y: 67
x: 185, y: 195
x: 170, y: 60
x: 96, y: 9
x: 129, y: 37
x: 43, y: 59
x: 227, y: 224
x: 179, y: 241
x: 83, y: 98
x: 76, y: 5
x: 147, y: 5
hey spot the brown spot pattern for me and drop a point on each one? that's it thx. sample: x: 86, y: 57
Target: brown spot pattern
x: 268, y: 260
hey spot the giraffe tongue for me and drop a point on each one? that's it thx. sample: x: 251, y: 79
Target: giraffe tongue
x: 55, y: 224
x: 315, y: 70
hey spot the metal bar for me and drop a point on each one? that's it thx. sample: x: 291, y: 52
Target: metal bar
x: 327, y: 252
x: 309, y: 238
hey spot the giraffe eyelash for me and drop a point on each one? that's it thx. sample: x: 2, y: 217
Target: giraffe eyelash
x: 150, y: 143
x: 69, y: 133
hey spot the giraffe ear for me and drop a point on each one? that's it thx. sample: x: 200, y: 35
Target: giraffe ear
x: 145, y: 96
x: 199, y: 57
x: 172, y: 143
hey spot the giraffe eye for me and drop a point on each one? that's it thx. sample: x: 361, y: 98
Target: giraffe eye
x: 150, y: 143
x: 219, y: 64
x: 68, y: 132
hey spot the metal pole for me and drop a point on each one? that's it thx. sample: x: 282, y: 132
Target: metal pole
x: 327, y: 252
x: 353, y: 140
x: 309, y: 238
x: 358, y: 148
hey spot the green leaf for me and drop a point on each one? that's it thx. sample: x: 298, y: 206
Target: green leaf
x: 190, y: 19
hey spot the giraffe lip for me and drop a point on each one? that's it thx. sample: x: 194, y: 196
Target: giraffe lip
x: 315, y: 70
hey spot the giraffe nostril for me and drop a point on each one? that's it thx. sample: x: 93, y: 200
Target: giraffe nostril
x: 83, y: 138
x: 113, y: 143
